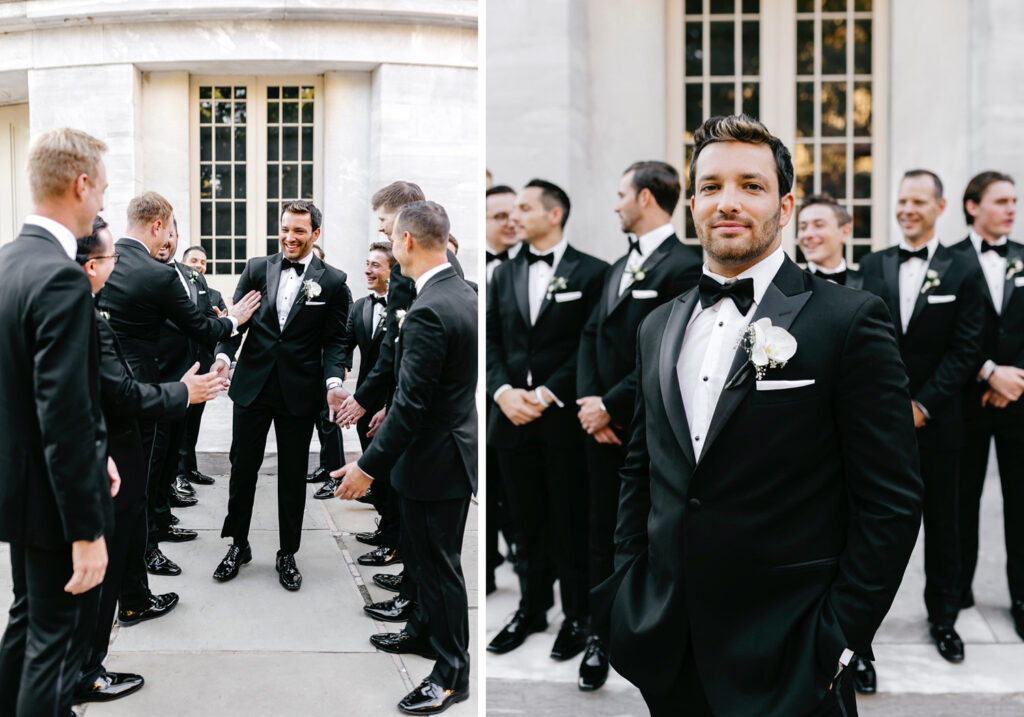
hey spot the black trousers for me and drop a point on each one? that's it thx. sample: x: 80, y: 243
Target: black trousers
x: 436, y: 530
x: 940, y: 471
x: 47, y: 635
x: 603, y: 464
x: 187, y: 452
x: 545, y: 483
x: 331, y: 454
x: 1008, y: 431
x: 163, y: 471
x: 250, y: 427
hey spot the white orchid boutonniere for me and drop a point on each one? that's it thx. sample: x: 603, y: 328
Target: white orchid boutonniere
x: 194, y: 276
x: 105, y: 315
x: 1014, y: 266
x: 768, y: 346
x: 636, y: 273
x: 400, y: 316
x: 311, y: 288
x: 931, y: 280
x: 557, y: 283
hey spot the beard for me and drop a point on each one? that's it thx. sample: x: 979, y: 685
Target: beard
x: 735, y: 251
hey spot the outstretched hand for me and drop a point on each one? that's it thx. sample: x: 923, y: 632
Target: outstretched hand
x: 355, y: 483
x: 350, y: 412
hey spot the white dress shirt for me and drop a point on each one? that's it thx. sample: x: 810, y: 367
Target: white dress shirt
x: 712, y: 337
x: 425, y: 276
x: 812, y: 267
x: 541, y: 274
x: 181, y: 278
x: 64, y: 235
x: 378, y: 310
x: 912, y: 273
x: 288, y: 288
x: 994, y: 268
x: 648, y: 243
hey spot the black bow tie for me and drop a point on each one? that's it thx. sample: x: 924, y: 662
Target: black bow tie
x: 741, y: 292
x: 634, y: 245
x: 297, y: 265
x: 532, y: 258
x: 999, y: 249
x: 838, y: 277
x: 921, y: 253
x: 500, y: 256
x: 382, y: 300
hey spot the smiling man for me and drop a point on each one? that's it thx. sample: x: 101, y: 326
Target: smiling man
x: 750, y: 565
x: 823, y: 226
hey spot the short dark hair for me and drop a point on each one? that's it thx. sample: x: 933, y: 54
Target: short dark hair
x: 192, y: 249
x: 427, y: 222
x: 385, y: 248
x: 499, y: 189
x: 976, y: 188
x: 454, y: 242
x: 842, y: 216
x: 89, y: 244
x: 913, y: 173
x: 397, y: 195
x: 319, y: 250
x: 551, y: 195
x: 660, y: 179
x: 742, y: 128
x: 304, y: 206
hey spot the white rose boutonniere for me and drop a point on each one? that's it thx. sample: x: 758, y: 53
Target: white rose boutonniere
x: 400, y: 316
x: 557, y: 283
x: 636, y: 273
x: 194, y: 276
x: 311, y: 288
x: 768, y: 346
x: 1014, y: 266
x: 931, y: 280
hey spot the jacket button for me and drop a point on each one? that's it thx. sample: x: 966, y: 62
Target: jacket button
x: 693, y: 504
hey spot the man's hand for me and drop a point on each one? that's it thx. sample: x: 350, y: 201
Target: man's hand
x: 592, y: 417
x: 1007, y: 381
x: 115, y: 477
x: 245, y: 307
x: 355, y: 483
x: 378, y: 418
x: 919, y: 417
x: 204, y: 387
x: 350, y: 412
x: 89, y: 564
x: 335, y: 399
x: 607, y: 435
x: 221, y: 369
x: 993, y: 399
x: 520, y: 406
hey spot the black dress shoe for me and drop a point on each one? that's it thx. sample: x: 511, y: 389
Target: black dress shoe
x: 158, y: 606
x: 515, y: 631
x: 401, y: 643
x: 430, y: 698
x: 177, y: 535
x: 318, y: 476
x: 288, y: 573
x: 174, y: 520
x: 236, y: 557
x: 389, y: 581
x: 594, y: 668
x: 327, y: 489
x: 159, y: 564
x: 1017, y: 613
x: 369, y: 538
x: 571, y: 640
x: 865, y: 681
x: 383, y: 555
x: 951, y: 647
x: 366, y: 497
x: 397, y: 609
x: 182, y: 485
x: 199, y: 478
x: 180, y: 500
x: 109, y: 686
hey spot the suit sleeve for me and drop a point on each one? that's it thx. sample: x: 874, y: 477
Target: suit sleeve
x: 229, y: 345
x: 336, y: 332
x: 186, y: 316
x: 562, y: 382
x: 586, y: 359
x: 350, y: 337
x: 122, y: 395
x: 497, y: 371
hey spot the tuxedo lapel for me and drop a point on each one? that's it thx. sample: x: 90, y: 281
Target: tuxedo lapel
x: 193, y: 290
x: 521, y: 285
x: 671, y: 393
x: 891, y: 277
x: 942, y: 260
x: 1013, y: 251
x: 313, y: 272
x: 565, y: 268
x: 611, y: 289
x: 368, y: 328
x: 648, y: 266
x: 971, y: 255
x: 273, y: 280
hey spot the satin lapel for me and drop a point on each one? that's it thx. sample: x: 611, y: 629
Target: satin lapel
x: 671, y: 393
x: 971, y: 255
x: 193, y: 290
x: 273, y: 280
x: 521, y: 286
x: 368, y: 328
x: 891, y: 277
x: 565, y: 268
x: 782, y: 310
x: 1013, y: 251
x: 313, y: 272
x: 611, y: 289
x: 942, y: 260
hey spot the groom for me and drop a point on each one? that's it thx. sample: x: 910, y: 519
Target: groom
x: 750, y: 565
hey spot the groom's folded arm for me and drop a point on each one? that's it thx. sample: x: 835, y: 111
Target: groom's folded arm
x: 880, y: 463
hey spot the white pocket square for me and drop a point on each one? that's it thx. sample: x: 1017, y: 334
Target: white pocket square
x: 782, y: 385
x: 202, y: 292
x: 314, y: 303
x: 568, y: 296
x: 1018, y: 281
x: 941, y: 298
x: 644, y: 293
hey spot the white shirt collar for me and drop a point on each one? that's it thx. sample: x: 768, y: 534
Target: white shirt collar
x: 556, y: 251
x: 425, y: 276
x: 653, y: 239
x: 762, y: 273
x: 65, y: 236
x: 931, y: 246
x: 977, y: 240
x: 139, y: 241
x: 811, y: 266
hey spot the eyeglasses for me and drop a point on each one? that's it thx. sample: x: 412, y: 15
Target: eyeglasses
x: 113, y: 257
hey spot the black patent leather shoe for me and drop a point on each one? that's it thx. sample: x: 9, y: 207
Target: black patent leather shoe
x: 1017, y: 613
x: 397, y: 609
x: 950, y: 646
x: 177, y: 535
x: 109, y: 686
x: 389, y: 581
x: 177, y: 499
x: 381, y: 556
x: 288, y: 572
x: 571, y: 640
x: 516, y: 630
x: 174, y: 520
x: 158, y: 606
x: 369, y: 538
x: 199, y: 478
x: 159, y: 564
x: 183, y: 487
x: 366, y: 497
x: 865, y: 681
x: 236, y: 557
x: 430, y: 698
x: 327, y: 489
x: 402, y: 643
x: 594, y: 667
x: 318, y: 476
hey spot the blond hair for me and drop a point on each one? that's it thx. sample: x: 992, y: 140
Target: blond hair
x: 147, y: 208
x: 58, y: 157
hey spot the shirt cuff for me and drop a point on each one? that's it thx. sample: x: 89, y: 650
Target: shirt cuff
x: 501, y: 390
x: 234, y: 325
x: 333, y: 382
x: 223, y: 357
x: 923, y: 410
x: 545, y: 403
x: 365, y: 473
x: 603, y: 408
x: 987, y: 369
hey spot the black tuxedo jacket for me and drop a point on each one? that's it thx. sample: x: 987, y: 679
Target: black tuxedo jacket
x: 366, y: 335
x: 769, y: 553
x: 428, y: 439
x: 124, y: 402
x: 141, y: 294
x: 375, y: 390
x: 206, y: 357
x: 943, y: 340
x: 54, y: 487
x: 549, y: 349
x: 608, y: 344
x: 178, y: 351
x: 309, y: 350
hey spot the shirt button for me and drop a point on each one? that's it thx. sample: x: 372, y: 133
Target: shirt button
x: 705, y: 378
x: 721, y: 323
x: 696, y: 438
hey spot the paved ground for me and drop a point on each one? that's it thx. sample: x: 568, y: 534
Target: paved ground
x: 249, y: 647
x: 913, y: 680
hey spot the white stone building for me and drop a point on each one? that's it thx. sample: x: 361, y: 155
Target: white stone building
x: 228, y: 107
x: 860, y: 90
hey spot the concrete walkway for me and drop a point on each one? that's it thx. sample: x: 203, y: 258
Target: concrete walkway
x: 913, y: 680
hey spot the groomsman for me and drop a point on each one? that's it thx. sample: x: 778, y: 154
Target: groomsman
x: 656, y: 268
x: 55, y: 490
x: 823, y: 226
x: 992, y: 406
x: 428, y: 442
x: 502, y: 243
x: 750, y: 563
x: 937, y: 311
x: 537, y: 305
x: 293, y: 354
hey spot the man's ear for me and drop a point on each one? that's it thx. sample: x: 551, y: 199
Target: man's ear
x: 80, y: 185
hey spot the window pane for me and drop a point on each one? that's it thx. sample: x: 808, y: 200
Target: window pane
x: 307, y: 93
x: 239, y: 93
x: 273, y: 246
x: 722, y: 6
x: 804, y: 109
x: 273, y: 93
x: 862, y: 221
x: 240, y: 113
x: 862, y: 6
x: 272, y: 181
x: 752, y: 6
x: 833, y: 170
x: 751, y: 48
x: 223, y: 220
x: 290, y: 93
x: 803, y: 166
x: 833, y: 109
x: 240, y: 220
x: 694, y: 109
x: 290, y: 112
x: 205, y: 93
x: 752, y: 99
x: 694, y: 7
x: 222, y: 248
x: 694, y: 51
x: 205, y: 112
x: 222, y: 113
x: 240, y: 144
x: 862, y: 171
x: 862, y: 109
x: 273, y: 112
x: 307, y: 144
x: 307, y: 181
x: 205, y: 144
x: 223, y: 144
x: 205, y: 181
x: 723, y: 98
x: 240, y: 181
x: 207, y: 245
x: 833, y: 47
x: 206, y: 218
x: 239, y: 246
x: 862, y: 47
x: 273, y: 144
x: 273, y: 216
x: 805, y: 5
x: 223, y: 186
x: 805, y: 47
x: 860, y: 250
x: 833, y: 6
x: 239, y: 267
x: 307, y: 113
x: 691, y: 230
x: 289, y: 144
x: 289, y: 181
x: 723, y: 60
x: 222, y: 267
